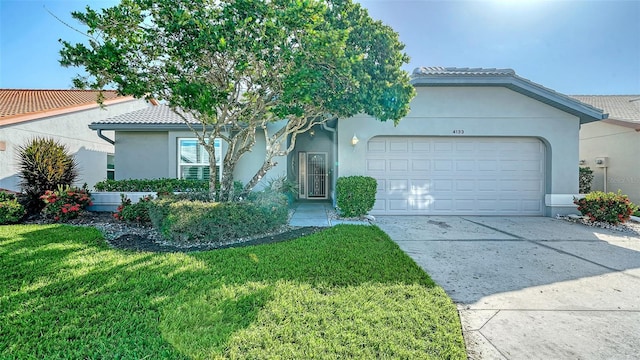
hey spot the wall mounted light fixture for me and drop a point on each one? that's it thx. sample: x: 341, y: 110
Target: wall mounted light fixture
x: 354, y: 140
x: 312, y: 133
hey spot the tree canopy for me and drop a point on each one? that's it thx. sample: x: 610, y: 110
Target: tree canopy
x: 238, y: 65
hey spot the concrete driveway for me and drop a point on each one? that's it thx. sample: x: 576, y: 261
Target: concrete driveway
x: 531, y: 288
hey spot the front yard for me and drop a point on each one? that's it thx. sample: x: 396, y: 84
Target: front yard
x: 346, y: 292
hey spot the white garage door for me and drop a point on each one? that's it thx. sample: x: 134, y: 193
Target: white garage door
x: 457, y: 175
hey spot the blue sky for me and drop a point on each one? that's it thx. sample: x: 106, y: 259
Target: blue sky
x: 571, y: 46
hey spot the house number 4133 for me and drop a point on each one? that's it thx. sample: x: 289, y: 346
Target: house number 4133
x: 458, y: 132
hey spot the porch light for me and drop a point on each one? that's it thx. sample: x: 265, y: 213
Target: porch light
x: 354, y: 140
x: 312, y: 132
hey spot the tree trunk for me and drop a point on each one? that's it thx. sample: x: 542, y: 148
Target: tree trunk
x: 266, y: 166
x: 213, y: 171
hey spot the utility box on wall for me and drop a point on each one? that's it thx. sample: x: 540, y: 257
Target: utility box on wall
x: 602, y: 162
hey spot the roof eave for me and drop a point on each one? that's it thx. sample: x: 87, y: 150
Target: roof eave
x: 138, y: 127
x: 584, y: 112
x: 624, y: 123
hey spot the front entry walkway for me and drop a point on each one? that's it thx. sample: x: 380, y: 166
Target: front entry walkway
x: 320, y: 214
x: 310, y: 214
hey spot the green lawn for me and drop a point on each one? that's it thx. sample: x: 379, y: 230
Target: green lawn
x: 347, y: 292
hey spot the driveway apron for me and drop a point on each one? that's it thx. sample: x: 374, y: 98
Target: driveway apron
x: 531, y: 287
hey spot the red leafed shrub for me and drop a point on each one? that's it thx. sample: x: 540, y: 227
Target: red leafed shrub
x: 65, y: 203
x: 607, y: 207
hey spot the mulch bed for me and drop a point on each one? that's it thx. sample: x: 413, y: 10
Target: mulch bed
x: 140, y: 243
x: 137, y: 237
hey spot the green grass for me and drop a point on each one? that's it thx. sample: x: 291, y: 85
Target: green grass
x: 347, y: 292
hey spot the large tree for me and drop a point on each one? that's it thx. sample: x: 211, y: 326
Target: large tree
x: 236, y: 66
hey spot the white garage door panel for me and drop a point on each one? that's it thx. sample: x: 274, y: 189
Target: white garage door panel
x: 457, y: 176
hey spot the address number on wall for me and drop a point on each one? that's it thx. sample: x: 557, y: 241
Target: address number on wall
x: 458, y: 132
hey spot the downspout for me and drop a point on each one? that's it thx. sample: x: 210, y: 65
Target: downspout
x: 103, y: 137
x: 334, y: 173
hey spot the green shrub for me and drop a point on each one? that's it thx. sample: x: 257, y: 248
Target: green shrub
x: 159, y: 210
x: 192, y: 222
x: 283, y: 185
x: 585, y: 179
x: 7, y: 196
x: 11, y: 211
x: 138, y: 212
x: 152, y: 185
x: 272, y: 207
x: 44, y: 164
x: 356, y: 195
x: 66, y: 202
x: 608, y: 207
x: 203, y: 195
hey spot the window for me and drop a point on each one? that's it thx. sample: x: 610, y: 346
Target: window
x: 111, y: 167
x: 193, y: 159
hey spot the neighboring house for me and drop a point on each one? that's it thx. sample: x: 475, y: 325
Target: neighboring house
x: 476, y: 142
x: 611, y: 147
x: 63, y: 115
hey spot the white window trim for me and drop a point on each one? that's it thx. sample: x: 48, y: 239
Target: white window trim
x: 218, y: 151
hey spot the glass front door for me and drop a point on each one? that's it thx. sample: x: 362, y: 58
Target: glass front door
x: 313, y: 175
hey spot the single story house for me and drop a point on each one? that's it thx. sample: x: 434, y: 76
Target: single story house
x: 476, y: 142
x: 611, y: 147
x: 63, y: 115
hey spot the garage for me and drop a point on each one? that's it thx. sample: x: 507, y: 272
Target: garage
x: 420, y: 175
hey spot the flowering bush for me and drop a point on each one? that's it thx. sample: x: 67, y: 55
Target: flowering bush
x: 608, y: 207
x: 138, y: 212
x: 65, y: 203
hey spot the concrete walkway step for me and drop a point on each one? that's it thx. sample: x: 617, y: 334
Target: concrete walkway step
x: 318, y: 214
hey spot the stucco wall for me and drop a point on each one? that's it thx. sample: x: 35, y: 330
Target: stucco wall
x: 621, y: 145
x: 69, y: 129
x: 478, y: 111
x: 142, y: 155
x: 251, y: 162
x: 149, y: 155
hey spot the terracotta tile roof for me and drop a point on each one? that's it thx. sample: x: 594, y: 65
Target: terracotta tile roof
x: 619, y: 107
x: 18, y: 102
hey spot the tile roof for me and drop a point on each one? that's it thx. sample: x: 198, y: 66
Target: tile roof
x: 454, y: 71
x: 18, y: 102
x: 453, y: 76
x: 159, y: 115
x: 619, y: 107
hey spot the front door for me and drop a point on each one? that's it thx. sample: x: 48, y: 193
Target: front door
x: 313, y: 175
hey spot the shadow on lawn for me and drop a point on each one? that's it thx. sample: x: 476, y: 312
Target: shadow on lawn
x: 68, y: 291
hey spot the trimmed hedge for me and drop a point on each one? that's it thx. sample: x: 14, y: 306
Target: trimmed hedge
x: 356, y: 195
x: 607, y: 207
x: 192, y: 222
x: 152, y: 185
